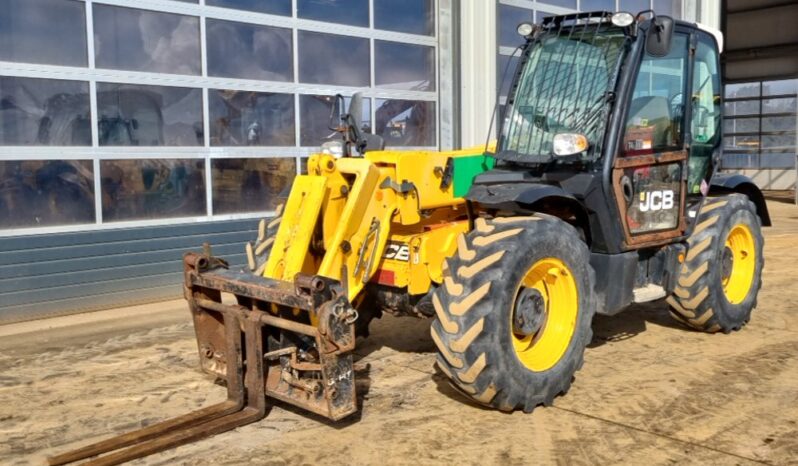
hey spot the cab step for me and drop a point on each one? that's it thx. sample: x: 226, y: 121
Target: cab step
x: 650, y: 292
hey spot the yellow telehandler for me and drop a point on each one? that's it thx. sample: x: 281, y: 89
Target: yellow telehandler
x: 602, y: 191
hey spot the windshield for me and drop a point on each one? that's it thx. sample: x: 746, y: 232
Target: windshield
x: 562, y: 89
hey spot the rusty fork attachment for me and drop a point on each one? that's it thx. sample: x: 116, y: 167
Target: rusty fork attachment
x: 318, y: 377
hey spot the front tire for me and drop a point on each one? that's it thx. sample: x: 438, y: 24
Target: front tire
x: 514, y: 313
x: 721, y: 275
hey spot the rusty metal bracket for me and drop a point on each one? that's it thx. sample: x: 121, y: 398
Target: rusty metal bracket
x: 324, y: 386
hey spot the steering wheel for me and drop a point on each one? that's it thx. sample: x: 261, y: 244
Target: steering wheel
x: 676, y: 104
x: 703, y: 116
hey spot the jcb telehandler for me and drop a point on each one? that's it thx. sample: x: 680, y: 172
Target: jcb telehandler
x: 602, y: 191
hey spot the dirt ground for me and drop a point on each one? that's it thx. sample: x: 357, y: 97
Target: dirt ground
x: 651, y: 392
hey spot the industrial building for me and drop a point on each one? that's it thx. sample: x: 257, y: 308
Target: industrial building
x: 133, y: 130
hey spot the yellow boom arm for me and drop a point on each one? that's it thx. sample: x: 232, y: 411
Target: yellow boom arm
x: 340, y: 217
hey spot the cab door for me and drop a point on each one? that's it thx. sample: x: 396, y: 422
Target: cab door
x: 650, y: 168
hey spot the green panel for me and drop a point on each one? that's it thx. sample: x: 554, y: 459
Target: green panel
x: 468, y: 167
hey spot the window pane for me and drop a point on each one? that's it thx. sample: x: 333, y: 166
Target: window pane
x: 509, y: 19
x: 787, y: 86
x: 44, y: 112
x: 742, y: 90
x: 505, y: 75
x: 314, y: 117
x: 406, y: 122
x: 52, y: 32
x: 779, y: 105
x: 778, y: 142
x: 238, y: 50
x: 740, y: 161
x: 597, y: 5
x: 705, y: 101
x: 353, y: 12
x: 563, y: 3
x: 767, y: 160
x: 633, y: 6
x: 404, y: 66
x: 705, y: 113
x: 744, y: 107
x: 411, y: 16
x: 567, y: 77
x: 132, y: 115
x: 138, y: 40
x: 654, y: 123
x: 274, y: 7
x: 779, y: 124
x: 152, y: 189
x: 37, y: 193
x: 333, y: 59
x: 741, y: 143
x: 245, y: 118
x: 672, y: 8
x: 250, y: 185
x: 741, y: 125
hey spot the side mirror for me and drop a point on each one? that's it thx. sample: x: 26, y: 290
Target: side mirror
x: 356, y: 109
x: 336, y: 113
x: 659, y: 35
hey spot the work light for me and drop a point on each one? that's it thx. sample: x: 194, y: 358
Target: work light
x: 623, y: 19
x: 525, y: 29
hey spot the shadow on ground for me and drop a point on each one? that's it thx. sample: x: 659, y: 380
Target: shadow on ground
x: 631, y: 322
x: 410, y: 335
x: 784, y: 197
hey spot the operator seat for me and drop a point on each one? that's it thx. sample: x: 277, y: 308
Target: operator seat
x: 653, y: 111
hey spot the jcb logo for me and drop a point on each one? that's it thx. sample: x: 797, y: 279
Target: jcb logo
x: 397, y: 251
x: 656, y: 200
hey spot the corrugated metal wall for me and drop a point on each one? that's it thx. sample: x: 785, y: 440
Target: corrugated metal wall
x: 73, y: 272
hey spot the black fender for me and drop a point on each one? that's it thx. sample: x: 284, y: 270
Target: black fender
x: 530, y: 197
x: 725, y: 183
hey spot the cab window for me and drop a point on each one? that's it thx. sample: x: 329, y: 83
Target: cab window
x: 654, y: 121
x: 705, y: 113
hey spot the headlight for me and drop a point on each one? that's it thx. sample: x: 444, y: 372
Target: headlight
x: 525, y: 29
x: 334, y: 148
x: 569, y: 144
x: 623, y: 19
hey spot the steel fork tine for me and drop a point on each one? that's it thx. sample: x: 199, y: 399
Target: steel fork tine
x: 147, y: 433
x: 233, y: 404
x: 254, y: 411
x: 181, y: 437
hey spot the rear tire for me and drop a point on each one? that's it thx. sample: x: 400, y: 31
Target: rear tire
x: 721, y: 275
x: 258, y: 254
x: 476, y: 331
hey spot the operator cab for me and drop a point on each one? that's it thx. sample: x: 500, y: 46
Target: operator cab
x: 615, y: 117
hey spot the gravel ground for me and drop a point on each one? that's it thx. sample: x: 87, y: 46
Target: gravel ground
x: 650, y: 392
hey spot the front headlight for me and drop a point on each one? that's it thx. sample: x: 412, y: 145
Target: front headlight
x: 565, y: 144
x: 334, y: 148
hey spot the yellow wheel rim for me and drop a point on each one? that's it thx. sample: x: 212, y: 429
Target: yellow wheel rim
x: 739, y: 275
x: 556, y: 285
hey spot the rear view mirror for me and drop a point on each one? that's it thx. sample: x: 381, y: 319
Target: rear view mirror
x: 356, y: 109
x: 659, y: 35
x: 336, y: 112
